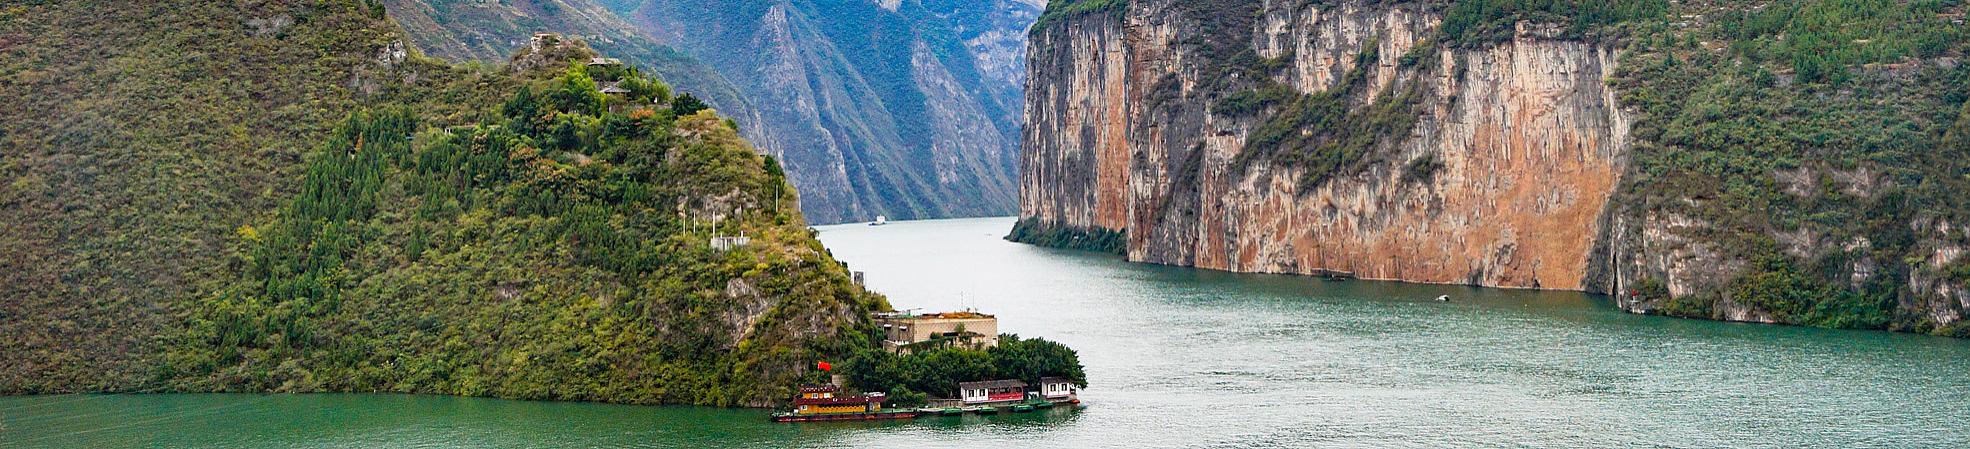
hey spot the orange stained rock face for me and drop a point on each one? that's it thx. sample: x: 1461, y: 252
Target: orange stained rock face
x: 1529, y: 138
x: 1529, y: 163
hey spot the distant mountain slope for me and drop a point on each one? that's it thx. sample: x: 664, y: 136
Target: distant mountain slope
x: 905, y: 108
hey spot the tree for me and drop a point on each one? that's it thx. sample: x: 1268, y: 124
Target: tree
x: 687, y: 104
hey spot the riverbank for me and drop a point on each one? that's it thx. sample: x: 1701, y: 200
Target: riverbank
x: 1280, y: 360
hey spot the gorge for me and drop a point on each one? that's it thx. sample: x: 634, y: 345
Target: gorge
x: 1631, y: 148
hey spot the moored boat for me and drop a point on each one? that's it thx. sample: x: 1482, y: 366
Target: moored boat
x: 853, y: 416
x: 819, y: 403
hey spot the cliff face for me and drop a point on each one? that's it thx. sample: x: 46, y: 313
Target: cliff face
x: 907, y: 109
x: 1524, y: 139
x: 1371, y: 138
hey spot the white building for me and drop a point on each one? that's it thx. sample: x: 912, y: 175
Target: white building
x: 1056, y: 388
x: 990, y: 391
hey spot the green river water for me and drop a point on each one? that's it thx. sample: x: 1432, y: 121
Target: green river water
x: 1190, y: 358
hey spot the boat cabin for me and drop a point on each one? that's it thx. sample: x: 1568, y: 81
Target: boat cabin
x: 1056, y: 388
x: 991, y: 391
x: 821, y: 399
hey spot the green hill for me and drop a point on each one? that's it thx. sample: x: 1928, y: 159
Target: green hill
x: 279, y: 196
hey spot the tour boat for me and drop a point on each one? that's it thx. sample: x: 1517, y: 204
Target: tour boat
x: 880, y: 220
x: 852, y: 416
x: 819, y: 403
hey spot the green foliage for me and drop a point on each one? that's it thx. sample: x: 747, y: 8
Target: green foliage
x: 938, y: 372
x: 1252, y: 101
x: 576, y: 93
x: 540, y: 265
x: 1720, y: 127
x: 140, y: 137
x: 1037, y: 232
x: 311, y: 216
x: 1061, y: 10
x: 1483, y: 22
x: 1653, y: 291
x: 1321, y: 134
x: 1776, y: 286
x: 687, y: 105
x: 1422, y: 170
x: 1823, y: 39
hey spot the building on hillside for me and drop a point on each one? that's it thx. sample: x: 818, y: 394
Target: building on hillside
x: 904, y: 333
x: 614, y: 88
x: 820, y: 399
x: 1053, y: 388
x: 604, y: 61
x: 991, y: 391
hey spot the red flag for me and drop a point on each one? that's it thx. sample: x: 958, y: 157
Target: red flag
x: 824, y: 366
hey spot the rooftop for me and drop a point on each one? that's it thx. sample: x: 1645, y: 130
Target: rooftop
x: 819, y: 388
x: 838, y: 401
x: 993, y: 384
x: 937, y: 316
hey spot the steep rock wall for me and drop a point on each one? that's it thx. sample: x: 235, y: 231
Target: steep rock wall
x: 1121, y: 134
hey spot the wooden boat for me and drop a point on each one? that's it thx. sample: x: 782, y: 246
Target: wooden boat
x: 953, y: 411
x: 1022, y: 408
x: 819, y: 403
x: 825, y: 417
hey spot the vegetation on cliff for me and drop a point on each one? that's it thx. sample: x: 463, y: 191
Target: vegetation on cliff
x: 182, y: 221
x: 1822, y: 122
x: 558, y: 253
x: 139, y: 136
x: 1040, y: 232
x: 1799, y: 153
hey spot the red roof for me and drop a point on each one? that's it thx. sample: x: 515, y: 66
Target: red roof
x: 819, y: 389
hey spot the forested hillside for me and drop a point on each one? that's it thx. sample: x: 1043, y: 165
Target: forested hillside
x: 280, y: 196
x: 483, y: 32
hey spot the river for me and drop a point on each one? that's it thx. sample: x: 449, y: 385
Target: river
x: 1180, y: 357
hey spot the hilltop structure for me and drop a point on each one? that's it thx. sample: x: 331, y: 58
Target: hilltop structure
x: 904, y: 332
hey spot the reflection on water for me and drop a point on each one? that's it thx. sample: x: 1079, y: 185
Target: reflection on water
x: 1190, y: 358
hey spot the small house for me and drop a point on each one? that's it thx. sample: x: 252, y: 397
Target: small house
x: 1056, y: 388
x: 991, y: 391
x: 614, y: 89
x: 604, y: 61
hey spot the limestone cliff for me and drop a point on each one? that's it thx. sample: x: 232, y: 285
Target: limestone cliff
x: 1526, y: 138
x: 1347, y: 136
